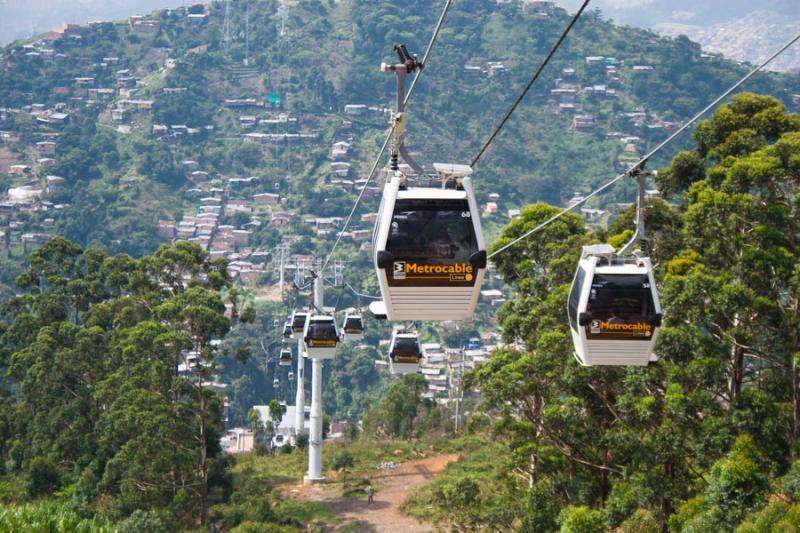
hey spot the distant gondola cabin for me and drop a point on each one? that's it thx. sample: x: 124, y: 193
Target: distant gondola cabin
x: 404, y: 353
x: 321, y: 336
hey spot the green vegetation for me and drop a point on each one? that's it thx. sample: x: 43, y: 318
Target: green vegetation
x: 704, y: 440
x: 49, y: 517
x: 96, y: 409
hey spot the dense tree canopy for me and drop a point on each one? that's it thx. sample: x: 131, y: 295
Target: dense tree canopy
x: 108, y: 362
x: 699, y: 440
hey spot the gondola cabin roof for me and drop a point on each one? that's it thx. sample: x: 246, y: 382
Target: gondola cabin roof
x: 452, y: 169
x: 431, y: 193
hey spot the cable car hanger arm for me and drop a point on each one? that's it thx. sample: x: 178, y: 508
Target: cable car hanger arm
x: 638, y: 173
x: 408, y: 64
x: 371, y: 174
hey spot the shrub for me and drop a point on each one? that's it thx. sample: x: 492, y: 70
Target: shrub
x: 142, y: 522
x: 343, y: 460
x: 43, y: 477
x: 581, y: 519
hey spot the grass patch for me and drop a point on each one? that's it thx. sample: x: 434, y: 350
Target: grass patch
x: 275, y: 469
x: 482, y: 463
x: 12, y: 489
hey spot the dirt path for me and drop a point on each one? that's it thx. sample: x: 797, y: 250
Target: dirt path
x: 394, y: 486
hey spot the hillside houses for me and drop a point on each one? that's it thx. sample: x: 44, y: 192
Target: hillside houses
x: 340, y: 149
x: 583, y: 122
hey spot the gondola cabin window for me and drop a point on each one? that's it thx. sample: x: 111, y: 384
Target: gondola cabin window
x: 322, y: 334
x: 405, y: 349
x: 431, y: 242
x: 575, y: 297
x: 621, y: 307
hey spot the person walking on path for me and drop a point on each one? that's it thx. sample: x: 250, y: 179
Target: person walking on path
x: 370, y: 494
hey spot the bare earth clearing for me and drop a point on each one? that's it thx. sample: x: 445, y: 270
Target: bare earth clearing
x: 394, y: 486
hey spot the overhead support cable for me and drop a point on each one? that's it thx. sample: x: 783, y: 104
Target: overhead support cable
x: 371, y: 174
x: 639, y: 164
x: 361, y: 294
x: 533, y: 79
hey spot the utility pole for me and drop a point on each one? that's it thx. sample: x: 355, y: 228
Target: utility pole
x: 315, y: 440
x: 460, y: 393
x: 226, y: 26
x: 282, y: 249
x: 247, y: 36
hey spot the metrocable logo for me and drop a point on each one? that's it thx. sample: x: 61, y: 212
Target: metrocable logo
x: 319, y: 343
x: 458, y: 268
x: 460, y: 272
x: 637, y: 329
x: 400, y: 270
x: 638, y: 326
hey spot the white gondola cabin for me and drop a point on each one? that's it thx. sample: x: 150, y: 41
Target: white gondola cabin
x: 613, y: 307
x: 404, y: 353
x: 276, y: 383
x: 430, y: 255
x: 298, y: 321
x: 291, y: 376
x: 287, y: 330
x: 321, y: 337
x: 285, y: 358
x: 353, y: 327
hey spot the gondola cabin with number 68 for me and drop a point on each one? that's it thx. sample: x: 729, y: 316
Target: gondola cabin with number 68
x: 430, y: 255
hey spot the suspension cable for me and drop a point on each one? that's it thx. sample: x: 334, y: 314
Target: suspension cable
x: 371, y: 174
x: 361, y: 294
x: 530, y: 83
x: 652, y: 152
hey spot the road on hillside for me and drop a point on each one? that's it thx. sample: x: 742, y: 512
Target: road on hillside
x: 384, y: 514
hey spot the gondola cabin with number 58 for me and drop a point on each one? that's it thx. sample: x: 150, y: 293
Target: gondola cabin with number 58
x: 430, y: 255
x: 613, y: 308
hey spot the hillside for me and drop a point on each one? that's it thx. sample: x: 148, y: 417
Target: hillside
x: 737, y: 29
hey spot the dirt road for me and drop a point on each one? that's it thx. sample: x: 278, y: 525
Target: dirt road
x: 384, y: 513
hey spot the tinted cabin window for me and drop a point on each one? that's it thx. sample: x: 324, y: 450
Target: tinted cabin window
x: 575, y: 296
x: 626, y: 298
x: 322, y: 331
x: 353, y: 324
x: 440, y: 232
x: 299, y: 322
x: 405, y: 347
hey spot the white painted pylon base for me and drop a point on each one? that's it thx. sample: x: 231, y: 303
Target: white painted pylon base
x: 315, y: 434
x: 300, y: 396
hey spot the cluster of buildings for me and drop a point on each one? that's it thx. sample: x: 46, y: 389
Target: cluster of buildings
x: 217, y: 202
x: 27, y: 207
